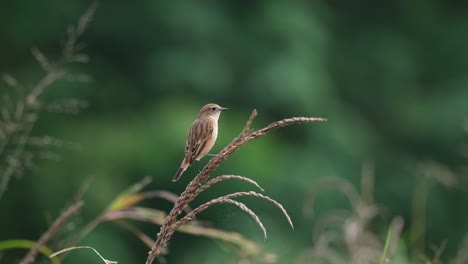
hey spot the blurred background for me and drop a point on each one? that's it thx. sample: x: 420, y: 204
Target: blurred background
x: 390, y: 77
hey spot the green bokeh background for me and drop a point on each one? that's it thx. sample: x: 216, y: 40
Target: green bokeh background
x: 390, y: 77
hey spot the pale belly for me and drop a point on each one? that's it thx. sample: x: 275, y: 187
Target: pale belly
x: 210, y: 143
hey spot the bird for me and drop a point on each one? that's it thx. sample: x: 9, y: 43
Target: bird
x: 201, y: 137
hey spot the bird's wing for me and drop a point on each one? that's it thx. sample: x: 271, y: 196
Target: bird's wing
x: 199, y: 134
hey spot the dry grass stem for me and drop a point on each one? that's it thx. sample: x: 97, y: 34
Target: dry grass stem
x: 328, y: 221
x: 350, y: 232
x: 136, y: 213
x: 42, y: 59
x: 20, y: 114
x: 227, y: 177
x: 200, y: 181
x: 123, y: 208
x: 135, y: 231
x: 83, y: 247
x: 46, y: 81
x: 67, y: 106
x: 166, y: 195
x: 258, y: 195
x: 11, y: 81
x: 461, y: 256
x: 439, y: 172
x: 220, y: 200
x: 247, y: 248
x: 331, y: 182
x: 72, y: 46
x: 53, y: 229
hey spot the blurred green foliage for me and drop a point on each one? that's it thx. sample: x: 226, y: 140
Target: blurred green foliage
x: 391, y: 78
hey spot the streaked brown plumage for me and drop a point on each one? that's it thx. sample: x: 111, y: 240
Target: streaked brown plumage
x: 202, y: 136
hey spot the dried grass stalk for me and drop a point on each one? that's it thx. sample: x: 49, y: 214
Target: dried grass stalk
x: 227, y: 177
x: 219, y: 200
x: 19, y: 115
x: 54, y: 228
x: 199, y: 183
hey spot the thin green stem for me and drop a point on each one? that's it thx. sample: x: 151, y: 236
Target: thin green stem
x: 387, y: 245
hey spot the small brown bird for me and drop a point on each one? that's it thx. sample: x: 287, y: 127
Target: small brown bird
x: 202, y: 136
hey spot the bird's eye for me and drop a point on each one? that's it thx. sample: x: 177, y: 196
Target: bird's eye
x: 213, y: 108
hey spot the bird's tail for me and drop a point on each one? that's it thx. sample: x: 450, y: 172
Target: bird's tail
x: 178, y: 174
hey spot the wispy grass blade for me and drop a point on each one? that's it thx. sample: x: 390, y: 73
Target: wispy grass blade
x: 129, y: 196
x: 220, y: 200
x: 340, y: 184
x: 52, y: 231
x: 227, y: 177
x: 383, y: 258
x: 258, y: 195
x: 83, y: 247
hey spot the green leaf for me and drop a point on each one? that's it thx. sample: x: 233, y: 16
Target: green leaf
x: 22, y: 243
x: 129, y: 196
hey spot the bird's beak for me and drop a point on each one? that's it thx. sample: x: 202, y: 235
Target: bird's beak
x: 223, y: 109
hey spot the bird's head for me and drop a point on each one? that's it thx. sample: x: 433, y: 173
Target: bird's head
x: 211, y: 110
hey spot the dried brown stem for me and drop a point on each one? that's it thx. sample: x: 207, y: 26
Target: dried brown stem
x: 331, y: 182
x: 258, y: 195
x: 169, y: 196
x: 23, y: 117
x: 71, y: 46
x: 219, y: 200
x: 135, y: 231
x: 42, y: 59
x: 191, y: 192
x: 45, y: 82
x: 30, y: 103
x: 53, y: 229
x: 227, y: 177
x: 247, y: 248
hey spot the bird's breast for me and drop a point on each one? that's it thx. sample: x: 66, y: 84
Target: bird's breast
x: 215, y: 131
x: 210, y: 142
